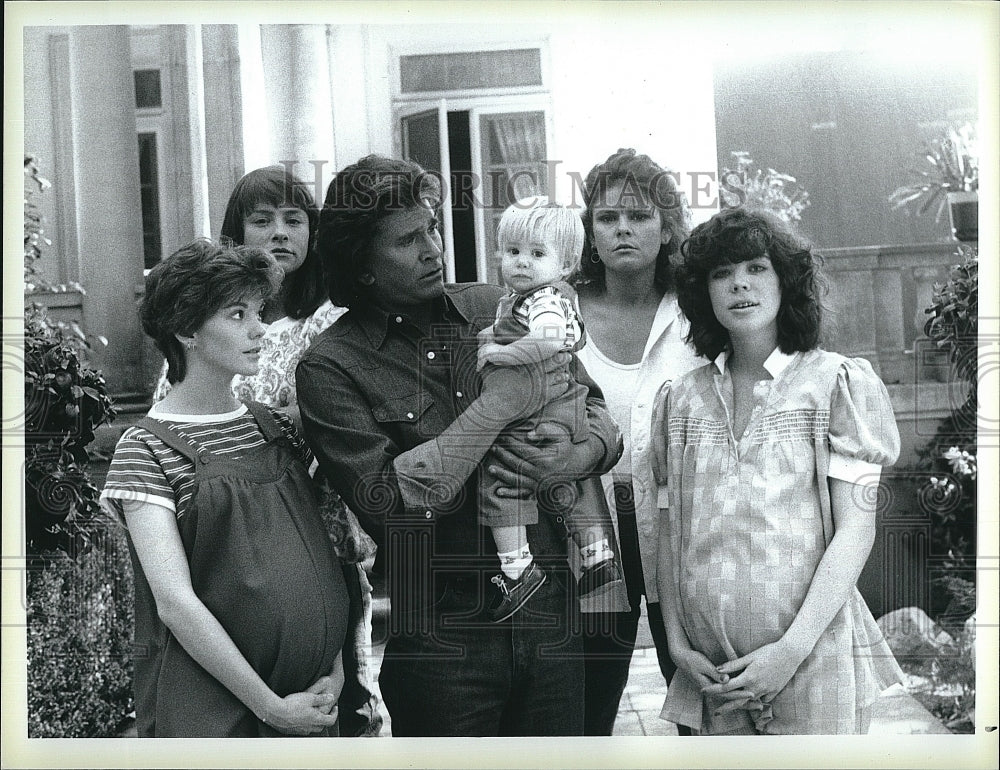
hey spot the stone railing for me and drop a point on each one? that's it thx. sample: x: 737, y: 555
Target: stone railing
x: 875, y: 309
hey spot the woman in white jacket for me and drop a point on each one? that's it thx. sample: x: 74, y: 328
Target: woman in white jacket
x: 635, y: 220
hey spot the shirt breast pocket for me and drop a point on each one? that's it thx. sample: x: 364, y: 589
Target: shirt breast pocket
x: 408, y: 419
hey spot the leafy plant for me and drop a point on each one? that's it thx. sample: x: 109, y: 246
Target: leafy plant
x: 948, y: 497
x: 953, y: 160
x: 65, y: 400
x: 774, y: 191
x: 954, y: 316
x: 79, y: 637
x: 950, y: 458
x: 79, y: 581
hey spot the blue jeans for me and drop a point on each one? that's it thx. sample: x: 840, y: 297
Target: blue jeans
x: 451, y: 672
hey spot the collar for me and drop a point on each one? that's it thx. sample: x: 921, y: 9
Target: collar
x: 376, y: 320
x: 775, y: 364
x: 667, y: 313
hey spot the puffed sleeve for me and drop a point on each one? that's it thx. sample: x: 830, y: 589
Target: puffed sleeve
x: 658, y: 443
x: 863, y: 433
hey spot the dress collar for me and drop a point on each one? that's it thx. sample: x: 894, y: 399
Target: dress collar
x: 775, y: 364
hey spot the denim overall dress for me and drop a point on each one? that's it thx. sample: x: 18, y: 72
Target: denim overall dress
x: 262, y: 563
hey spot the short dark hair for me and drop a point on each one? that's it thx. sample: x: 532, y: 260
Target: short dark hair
x: 737, y: 235
x: 188, y: 287
x: 659, y: 185
x: 277, y: 186
x: 358, y: 198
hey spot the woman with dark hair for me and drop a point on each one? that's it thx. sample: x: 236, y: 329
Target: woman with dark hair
x: 770, y: 456
x: 635, y: 220
x: 274, y: 210
x: 241, y: 607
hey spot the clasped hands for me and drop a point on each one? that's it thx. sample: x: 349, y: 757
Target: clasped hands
x: 748, y: 682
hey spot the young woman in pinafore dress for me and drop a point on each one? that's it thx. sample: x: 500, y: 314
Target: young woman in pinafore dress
x: 241, y: 607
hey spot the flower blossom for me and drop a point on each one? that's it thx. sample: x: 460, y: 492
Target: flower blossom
x: 961, y: 462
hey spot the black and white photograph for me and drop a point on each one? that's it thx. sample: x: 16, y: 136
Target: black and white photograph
x: 607, y: 381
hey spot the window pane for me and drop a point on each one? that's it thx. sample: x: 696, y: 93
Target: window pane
x: 147, y: 89
x: 149, y: 192
x: 471, y: 69
x: 420, y: 140
x: 513, y: 159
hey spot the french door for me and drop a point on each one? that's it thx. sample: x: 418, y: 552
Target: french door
x: 491, y: 154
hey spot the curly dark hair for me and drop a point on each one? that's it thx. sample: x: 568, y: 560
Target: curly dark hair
x: 188, y: 287
x: 358, y: 198
x: 738, y: 235
x: 638, y: 173
x: 277, y: 186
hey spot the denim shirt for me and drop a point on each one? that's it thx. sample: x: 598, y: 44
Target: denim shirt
x: 374, y: 392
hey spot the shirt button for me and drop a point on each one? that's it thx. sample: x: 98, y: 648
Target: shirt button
x: 399, y: 319
x: 431, y: 355
x: 409, y: 415
x: 204, y: 460
x: 458, y: 394
x: 428, y: 515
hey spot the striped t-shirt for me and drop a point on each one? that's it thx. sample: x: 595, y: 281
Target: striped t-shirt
x: 544, y: 308
x: 145, y: 469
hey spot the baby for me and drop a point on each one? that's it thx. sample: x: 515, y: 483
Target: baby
x: 540, y: 245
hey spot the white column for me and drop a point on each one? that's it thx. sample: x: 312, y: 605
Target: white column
x: 348, y: 65
x: 257, y: 149
x: 299, y: 98
x: 224, y: 130
x: 108, y: 214
x: 196, y: 130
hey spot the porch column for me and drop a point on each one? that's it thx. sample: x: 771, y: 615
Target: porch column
x: 106, y: 181
x: 223, y: 108
x: 299, y: 99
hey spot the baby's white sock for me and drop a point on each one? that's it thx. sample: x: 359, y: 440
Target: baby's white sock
x: 515, y: 562
x: 596, y: 552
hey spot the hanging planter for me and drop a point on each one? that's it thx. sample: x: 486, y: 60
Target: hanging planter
x: 963, y: 208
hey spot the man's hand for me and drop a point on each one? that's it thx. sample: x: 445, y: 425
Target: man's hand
x: 526, y: 462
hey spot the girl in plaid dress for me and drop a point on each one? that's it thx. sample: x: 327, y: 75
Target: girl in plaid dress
x: 769, y: 457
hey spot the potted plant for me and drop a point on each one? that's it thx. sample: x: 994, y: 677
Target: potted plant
x: 952, y: 178
x: 747, y: 185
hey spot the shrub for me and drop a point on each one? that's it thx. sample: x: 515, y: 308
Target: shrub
x: 65, y: 400
x: 949, y: 459
x: 949, y: 465
x: 79, y: 629
x: 79, y: 602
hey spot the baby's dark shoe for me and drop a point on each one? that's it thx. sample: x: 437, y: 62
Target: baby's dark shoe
x: 512, y: 594
x: 598, y: 579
